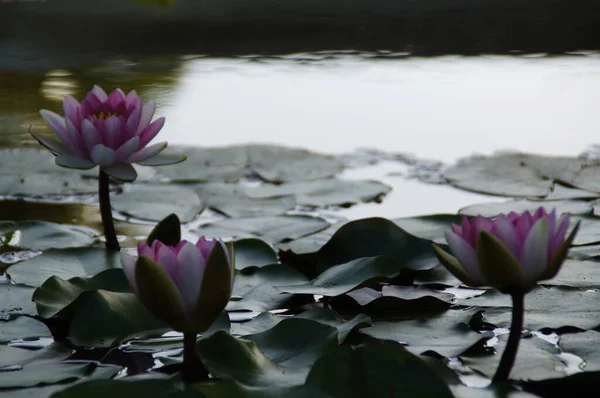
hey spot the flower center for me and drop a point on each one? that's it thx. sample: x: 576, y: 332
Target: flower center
x: 104, y: 116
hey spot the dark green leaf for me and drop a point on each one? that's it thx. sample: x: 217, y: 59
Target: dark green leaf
x: 167, y: 231
x: 16, y: 300
x: 253, y: 253
x: 22, y: 327
x: 41, y: 235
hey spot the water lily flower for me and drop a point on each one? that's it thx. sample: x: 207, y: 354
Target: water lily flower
x: 187, y: 285
x: 511, y: 252
x: 111, y: 131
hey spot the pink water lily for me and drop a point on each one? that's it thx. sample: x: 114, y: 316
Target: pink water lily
x: 111, y: 131
x: 511, y: 252
x: 187, y: 285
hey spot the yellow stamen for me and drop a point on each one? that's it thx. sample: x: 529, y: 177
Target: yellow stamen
x: 104, y: 116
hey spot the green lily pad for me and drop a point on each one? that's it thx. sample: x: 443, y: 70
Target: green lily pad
x: 231, y: 358
x: 233, y: 201
x: 430, y: 227
x: 323, y: 193
x: 536, y: 360
x: 553, y: 307
x: 34, y: 375
x: 231, y: 388
x: 589, y: 231
x: 559, y: 168
x: 227, y: 164
x: 22, y: 327
x: 56, y: 295
x: 155, y: 202
x: 375, y: 370
x: 519, y: 206
x: 343, y: 278
x: 126, y: 388
x: 585, y: 346
x: 447, y: 333
x: 503, y: 175
x: 280, y: 164
x: 561, y: 192
x: 38, y: 175
x: 373, y: 237
x: 260, y: 323
x: 587, y: 179
x: 256, y: 287
x: 16, y: 300
x: 41, y: 235
x: 253, y: 253
x: 64, y: 263
x: 328, y: 317
x: 273, y: 229
x: 580, y: 274
x: 311, y: 243
x: 106, y: 319
x: 12, y: 356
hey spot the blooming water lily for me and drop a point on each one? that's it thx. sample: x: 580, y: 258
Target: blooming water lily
x: 511, y: 252
x: 111, y: 131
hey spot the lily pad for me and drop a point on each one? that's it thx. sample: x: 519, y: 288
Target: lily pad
x: 536, y: 360
x: 55, y: 295
x: 519, y: 206
x: 503, y: 175
x: 64, y: 263
x: 581, y: 274
x: 12, y: 356
x: 16, y: 300
x: 260, y: 323
x: 273, y: 229
x: 587, y: 179
x: 447, y: 333
x: 106, y: 319
x: 253, y: 253
x: 155, y: 202
x: 233, y: 201
x: 343, y: 278
x: 585, y: 346
x: 280, y: 164
x: 373, y: 237
x: 553, y: 307
x: 375, y: 370
x: 41, y: 235
x: 34, y: 375
x: 227, y: 164
x: 429, y: 227
x: 22, y: 327
x: 561, y: 192
x: 143, y: 388
x: 323, y: 193
x: 559, y: 168
x: 257, y: 291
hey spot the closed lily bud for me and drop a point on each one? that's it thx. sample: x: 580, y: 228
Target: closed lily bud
x: 187, y: 286
x: 511, y: 252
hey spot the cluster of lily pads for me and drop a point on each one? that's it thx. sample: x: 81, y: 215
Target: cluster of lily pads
x: 292, y: 304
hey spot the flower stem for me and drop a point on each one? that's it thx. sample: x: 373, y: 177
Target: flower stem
x: 192, y: 369
x: 105, y: 211
x: 510, y: 351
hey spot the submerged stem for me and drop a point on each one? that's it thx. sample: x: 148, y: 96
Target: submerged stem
x: 105, y: 211
x: 510, y: 351
x: 192, y: 369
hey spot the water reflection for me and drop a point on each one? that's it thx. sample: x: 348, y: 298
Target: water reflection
x: 439, y: 108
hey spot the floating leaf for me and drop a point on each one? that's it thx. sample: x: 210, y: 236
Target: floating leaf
x: 536, y: 360
x: 155, y: 202
x: 585, y: 346
x: 373, y: 237
x: 65, y: 264
x: 22, y: 327
x: 34, y: 375
x: 127, y: 388
x: 56, y: 295
x: 106, y: 319
x: 253, y: 253
x: 503, y: 175
x: 273, y: 229
x: 323, y: 193
x: 519, y: 206
x: 429, y: 227
x: 343, y: 278
x: 446, y: 333
x: 375, y: 370
x: 233, y: 201
x: 12, y: 356
x: 41, y: 235
x: 279, y: 164
x: 545, y: 307
x: 16, y: 300
x: 581, y: 274
x: 257, y: 287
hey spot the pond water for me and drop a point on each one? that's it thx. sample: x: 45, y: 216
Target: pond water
x: 432, y: 108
